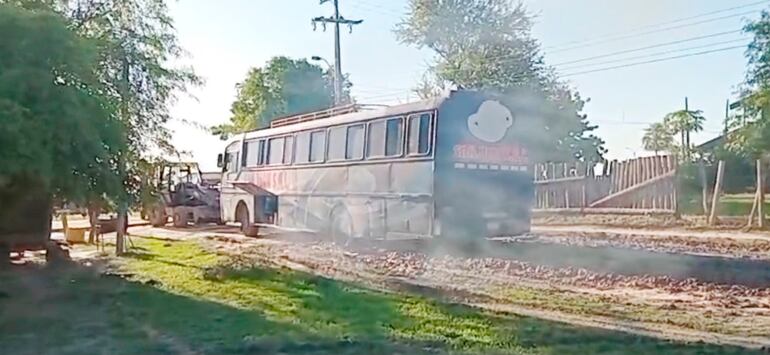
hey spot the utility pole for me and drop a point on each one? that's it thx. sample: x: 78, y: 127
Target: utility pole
x: 336, y: 20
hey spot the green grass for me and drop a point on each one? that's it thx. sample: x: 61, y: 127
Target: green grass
x: 729, y: 205
x: 591, y: 305
x: 180, y: 298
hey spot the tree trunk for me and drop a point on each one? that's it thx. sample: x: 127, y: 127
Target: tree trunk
x: 93, y: 219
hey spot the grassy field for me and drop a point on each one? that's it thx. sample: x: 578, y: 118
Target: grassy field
x: 729, y: 205
x: 174, y: 297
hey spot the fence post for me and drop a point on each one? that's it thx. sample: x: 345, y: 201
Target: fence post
x: 717, y: 192
x: 761, y: 195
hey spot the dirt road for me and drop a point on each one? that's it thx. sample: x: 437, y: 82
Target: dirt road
x: 539, y: 279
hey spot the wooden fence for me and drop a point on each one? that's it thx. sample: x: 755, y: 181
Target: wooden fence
x: 641, y: 185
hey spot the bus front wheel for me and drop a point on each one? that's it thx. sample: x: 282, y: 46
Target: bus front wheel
x: 247, y: 228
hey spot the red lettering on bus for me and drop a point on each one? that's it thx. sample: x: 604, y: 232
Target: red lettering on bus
x: 511, y: 154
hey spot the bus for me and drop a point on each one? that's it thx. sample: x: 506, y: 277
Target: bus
x: 449, y: 167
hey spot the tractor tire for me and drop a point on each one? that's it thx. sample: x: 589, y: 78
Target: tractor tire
x: 158, y: 217
x: 180, y: 220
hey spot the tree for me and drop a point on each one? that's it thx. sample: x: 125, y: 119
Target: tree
x: 282, y: 87
x: 138, y: 43
x: 430, y: 86
x: 486, y: 45
x: 751, y: 129
x: 58, y: 124
x: 685, y: 122
x: 658, y: 137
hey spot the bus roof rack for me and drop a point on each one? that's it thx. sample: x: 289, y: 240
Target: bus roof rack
x: 316, y: 115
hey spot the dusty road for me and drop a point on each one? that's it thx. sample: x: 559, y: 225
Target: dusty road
x: 556, y: 277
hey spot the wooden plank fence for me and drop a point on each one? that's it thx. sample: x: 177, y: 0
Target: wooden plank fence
x: 641, y: 185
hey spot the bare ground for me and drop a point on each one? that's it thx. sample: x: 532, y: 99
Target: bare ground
x: 682, y: 309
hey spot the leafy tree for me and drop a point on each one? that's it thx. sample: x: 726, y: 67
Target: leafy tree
x: 684, y: 122
x: 430, y: 86
x: 487, y: 45
x: 59, y: 130
x: 139, y: 42
x: 284, y: 86
x: 658, y: 137
x: 751, y: 129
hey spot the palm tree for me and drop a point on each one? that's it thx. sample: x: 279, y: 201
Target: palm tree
x: 658, y: 137
x: 684, y: 122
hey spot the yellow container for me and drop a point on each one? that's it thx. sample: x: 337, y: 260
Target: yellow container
x: 76, y: 235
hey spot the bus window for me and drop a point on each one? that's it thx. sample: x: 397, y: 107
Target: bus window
x: 252, y: 153
x: 275, y: 154
x: 419, y: 134
x: 355, y: 142
x: 262, y: 153
x: 288, y: 149
x: 385, y: 138
x: 302, y: 149
x: 317, y: 146
x: 232, y: 162
x: 394, y: 137
x: 375, y: 145
x: 337, y: 143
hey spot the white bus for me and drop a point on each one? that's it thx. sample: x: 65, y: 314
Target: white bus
x: 452, y: 166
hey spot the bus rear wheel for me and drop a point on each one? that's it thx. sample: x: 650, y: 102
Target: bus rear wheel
x: 341, y: 227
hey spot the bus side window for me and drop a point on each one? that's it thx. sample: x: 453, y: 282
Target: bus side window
x: 419, y: 134
x: 337, y: 143
x: 302, y: 149
x: 275, y: 152
x: 375, y: 143
x: 317, y: 146
x: 355, y: 142
x: 252, y: 153
x: 394, y: 137
x: 262, y: 153
x: 288, y: 150
x: 385, y: 138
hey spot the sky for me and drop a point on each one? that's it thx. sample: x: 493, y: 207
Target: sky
x: 225, y: 38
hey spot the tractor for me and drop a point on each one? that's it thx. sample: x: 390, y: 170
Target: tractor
x: 184, y: 195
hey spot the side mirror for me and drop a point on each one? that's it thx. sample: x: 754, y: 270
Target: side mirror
x: 220, y: 160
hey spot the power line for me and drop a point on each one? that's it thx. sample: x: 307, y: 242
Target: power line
x: 618, y: 38
x: 367, y: 6
x: 657, y: 45
x: 669, y: 23
x: 652, y: 61
x: 654, y: 54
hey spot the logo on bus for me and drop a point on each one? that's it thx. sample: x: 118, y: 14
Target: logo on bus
x: 491, y: 122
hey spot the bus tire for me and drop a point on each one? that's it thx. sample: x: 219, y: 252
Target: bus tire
x: 341, y: 226
x: 180, y: 219
x: 247, y: 228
